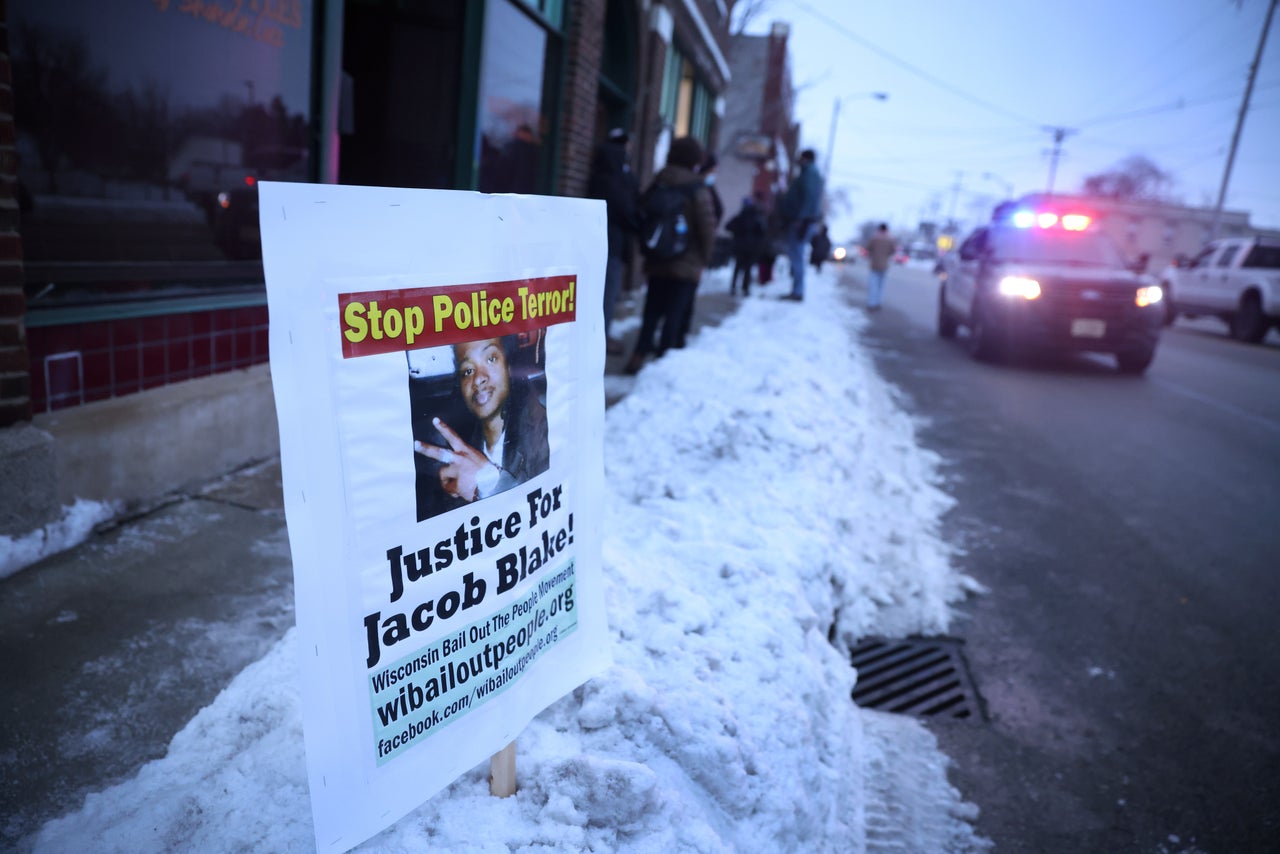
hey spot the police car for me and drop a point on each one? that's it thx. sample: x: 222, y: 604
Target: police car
x: 1049, y: 280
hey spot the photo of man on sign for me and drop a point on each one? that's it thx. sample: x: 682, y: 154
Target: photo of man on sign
x: 479, y: 419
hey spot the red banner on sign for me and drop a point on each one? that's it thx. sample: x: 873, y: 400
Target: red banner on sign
x: 373, y: 322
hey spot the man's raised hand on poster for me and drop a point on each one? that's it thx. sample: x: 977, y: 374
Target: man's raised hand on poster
x: 462, y: 468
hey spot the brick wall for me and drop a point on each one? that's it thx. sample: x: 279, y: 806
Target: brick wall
x: 585, y: 45
x: 15, y: 380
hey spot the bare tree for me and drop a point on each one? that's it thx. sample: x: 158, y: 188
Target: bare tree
x: 1135, y: 177
x: 58, y: 93
x: 743, y: 12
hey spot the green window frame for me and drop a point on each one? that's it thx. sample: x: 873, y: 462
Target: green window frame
x: 686, y: 104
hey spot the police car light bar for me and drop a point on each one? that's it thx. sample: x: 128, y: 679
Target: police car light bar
x: 1048, y: 219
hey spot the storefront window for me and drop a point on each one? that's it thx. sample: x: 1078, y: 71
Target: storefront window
x: 514, y: 114
x: 672, y: 78
x: 686, y: 101
x: 143, y: 127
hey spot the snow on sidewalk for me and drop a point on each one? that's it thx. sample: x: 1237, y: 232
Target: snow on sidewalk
x: 765, y: 494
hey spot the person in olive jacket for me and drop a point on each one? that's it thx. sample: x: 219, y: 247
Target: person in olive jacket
x: 672, y: 281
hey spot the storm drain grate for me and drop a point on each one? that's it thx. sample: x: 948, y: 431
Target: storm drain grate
x: 917, y: 676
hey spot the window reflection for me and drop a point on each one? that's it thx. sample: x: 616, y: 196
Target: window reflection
x: 512, y: 117
x: 143, y: 127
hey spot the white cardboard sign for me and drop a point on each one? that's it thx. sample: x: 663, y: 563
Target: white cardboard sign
x: 437, y: 359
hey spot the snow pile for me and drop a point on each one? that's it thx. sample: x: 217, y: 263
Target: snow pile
x: 71, y: 529
x: 765, y: 496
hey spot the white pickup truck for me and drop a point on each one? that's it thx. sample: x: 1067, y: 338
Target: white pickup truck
x: 1236, y: 279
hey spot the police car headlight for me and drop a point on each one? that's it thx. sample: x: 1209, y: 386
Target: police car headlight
x: 1019, y: 286
x: 1149, y: 295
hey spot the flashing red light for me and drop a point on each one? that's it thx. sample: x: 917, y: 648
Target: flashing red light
x: 249, y: 180
x: 1049, y: 219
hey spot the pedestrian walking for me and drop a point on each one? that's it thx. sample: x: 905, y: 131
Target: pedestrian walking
x: 801, y: 209
x: 612, y: 180
x: 820, y: 248
x: 749, y: 233
x: 880, y: 251
x: 676, y: 256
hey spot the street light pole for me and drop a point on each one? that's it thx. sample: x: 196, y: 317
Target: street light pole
x: 831, y: 139
x: 835, y: 117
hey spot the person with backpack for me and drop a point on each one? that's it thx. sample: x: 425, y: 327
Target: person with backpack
x: 801, y: 210
x: 707, y: 169
x: 749, y: 231
x: 677, y: 235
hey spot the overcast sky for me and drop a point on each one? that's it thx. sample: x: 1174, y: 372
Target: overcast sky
x: 972, y: 88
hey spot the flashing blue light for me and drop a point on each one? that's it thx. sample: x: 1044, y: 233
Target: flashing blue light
x: 1023, y: 219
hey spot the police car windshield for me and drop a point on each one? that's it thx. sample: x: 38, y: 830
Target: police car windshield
x: 1055, y: 246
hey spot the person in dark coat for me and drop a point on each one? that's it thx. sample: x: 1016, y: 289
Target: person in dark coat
x: 708, y: 172
x: 801, y: 209
x: 672, y: 281
x: 821, y: 248
x: 612, y: 180
x: 749, y: 232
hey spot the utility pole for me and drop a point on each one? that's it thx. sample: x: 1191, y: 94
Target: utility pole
x: 1244, y: 108
x: 955, y: 196
x: 1059, y: 134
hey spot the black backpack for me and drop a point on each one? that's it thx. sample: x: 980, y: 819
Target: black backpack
x: 664, y: 220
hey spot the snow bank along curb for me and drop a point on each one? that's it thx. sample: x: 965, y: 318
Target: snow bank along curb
x: 753, y: 512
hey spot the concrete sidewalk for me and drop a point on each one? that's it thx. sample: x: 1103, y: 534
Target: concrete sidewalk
x: 107, y: 650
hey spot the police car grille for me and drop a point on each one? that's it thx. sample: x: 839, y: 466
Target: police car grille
x: 1089, y: 299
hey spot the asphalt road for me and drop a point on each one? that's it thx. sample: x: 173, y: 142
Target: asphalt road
x: 1129, y: 531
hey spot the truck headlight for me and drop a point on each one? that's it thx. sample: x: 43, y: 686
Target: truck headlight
x: 1019, y: 286
x: 1149, y: 295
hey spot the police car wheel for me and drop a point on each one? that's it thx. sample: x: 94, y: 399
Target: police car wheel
x: 983, y: 345
x: 1249, y: 324
x: 1135, y: 361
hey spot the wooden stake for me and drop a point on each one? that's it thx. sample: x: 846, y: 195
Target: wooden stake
x: 502, y: 772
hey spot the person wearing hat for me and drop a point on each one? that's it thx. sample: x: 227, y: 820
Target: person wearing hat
x: 612, y: 180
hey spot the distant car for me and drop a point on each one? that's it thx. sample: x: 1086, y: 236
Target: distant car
x: 839, y: 254
x: 1049, y: 280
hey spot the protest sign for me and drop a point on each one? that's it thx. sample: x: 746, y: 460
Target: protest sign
x: 437, y: 359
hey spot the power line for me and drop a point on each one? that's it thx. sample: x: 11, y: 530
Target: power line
x: 1185, y: 63
x: 1173, y: 106
x: 906, y: 66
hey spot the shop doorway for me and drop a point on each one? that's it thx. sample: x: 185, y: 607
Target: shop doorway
x: 402, y: 74
x: 615, y: 103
